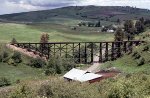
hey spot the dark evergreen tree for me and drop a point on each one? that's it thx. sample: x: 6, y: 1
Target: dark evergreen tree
x: 142, y: 20
x: 118, y: 21
x: 139, y: 27
x: 119, y: 34
x: 14, y: 41
x: 129, y: 29
x: 44, y: 39
x: 98, y: 24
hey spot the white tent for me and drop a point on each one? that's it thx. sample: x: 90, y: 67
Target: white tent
x: 80, y: 75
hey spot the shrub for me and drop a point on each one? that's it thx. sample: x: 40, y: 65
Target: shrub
x: 68, y: 64
x: 14, y: 41
x: 146, y: 48
x: 4, y: 56
x: 58, y: 65
x: 16, y: 57
x: 49, y: 71
x: 37, y: 63
x: 61, y: 89
x: 11, y: 62
x: 46, y: 91
x: 55, y: 64
x: 4, y: 81
x: 22, y: 92
x: 136, y: 55
x: 141, y: 61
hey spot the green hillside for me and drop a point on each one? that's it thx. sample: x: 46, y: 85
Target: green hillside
x: 108, y: 13
x: 138, y: 61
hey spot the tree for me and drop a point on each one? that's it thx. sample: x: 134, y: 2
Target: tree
x: 14, y: 41
x: 98, y: 24
x: 142, y: 20
x: 119, y: 34
x: 139, y: 27
x: 129, y: 29
x: 147, y: 23
x: 44, y: 38
x: 118, y: 21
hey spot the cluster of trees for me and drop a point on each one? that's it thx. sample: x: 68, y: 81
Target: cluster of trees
x: 90, y: 24
x: 130, y: 29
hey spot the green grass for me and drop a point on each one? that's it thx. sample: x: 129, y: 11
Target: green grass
x: 128, y: 63
x: 18, y: 31
x: 57, y: 33
x: 21, y: 72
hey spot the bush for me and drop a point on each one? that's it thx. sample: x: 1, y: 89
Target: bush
x: 17, y: 57
x: 37, y: 63
x: 68, y: 64
x: 141, y: 61
x: 146, y: 48
x: 22, y: 92
x: 4, y: 81
x: 11, y: 62
x: 62, y: 89
x: 4, y: 56
x: 14, y: 41
x: 49, y: 71
x: 59, y: 65
x: 55, y: 64
x: 46, y: 91
x: 136, y: 55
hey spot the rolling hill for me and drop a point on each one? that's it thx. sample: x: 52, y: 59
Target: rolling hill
x: 104, y: 13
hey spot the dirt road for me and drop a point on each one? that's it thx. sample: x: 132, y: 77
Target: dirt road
x: 95, y: 67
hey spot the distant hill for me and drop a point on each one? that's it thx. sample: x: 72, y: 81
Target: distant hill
x: 108, y: 13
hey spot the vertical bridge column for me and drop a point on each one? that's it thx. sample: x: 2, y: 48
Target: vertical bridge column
x: 92, y: 52
x: 106, y: 52
x: 100, y: 53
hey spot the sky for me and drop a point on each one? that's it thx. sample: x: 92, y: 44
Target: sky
x: 16, y: 6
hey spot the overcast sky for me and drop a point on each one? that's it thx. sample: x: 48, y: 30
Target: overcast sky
x: 15, y: 6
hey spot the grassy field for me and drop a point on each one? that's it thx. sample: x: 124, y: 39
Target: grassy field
x: 20, y: 72
x: 57, y: 33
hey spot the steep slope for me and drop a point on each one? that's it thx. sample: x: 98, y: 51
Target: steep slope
x: 138, y: 61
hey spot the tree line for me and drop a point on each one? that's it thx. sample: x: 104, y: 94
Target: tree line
x: 130, y: 29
